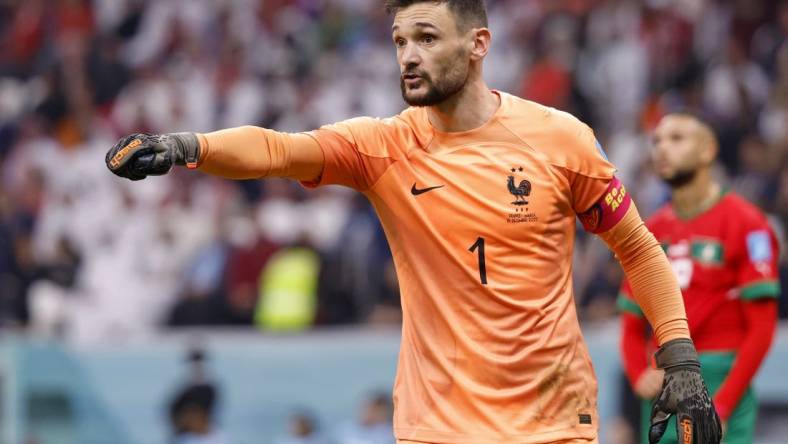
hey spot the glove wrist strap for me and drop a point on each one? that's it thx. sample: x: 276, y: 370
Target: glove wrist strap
x: 186, y: 149
x: 677, y: 352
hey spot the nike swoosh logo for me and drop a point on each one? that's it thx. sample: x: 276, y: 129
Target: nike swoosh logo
x: 415, y: 191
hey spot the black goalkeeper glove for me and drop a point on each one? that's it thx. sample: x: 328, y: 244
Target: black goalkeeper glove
x: 138, y: 156
x: 684, y: 394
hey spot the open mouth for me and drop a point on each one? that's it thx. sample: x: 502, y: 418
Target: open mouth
x: 411, y: 77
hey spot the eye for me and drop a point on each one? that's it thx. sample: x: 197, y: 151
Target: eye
x: 428, y: 39
x: 400, y: 42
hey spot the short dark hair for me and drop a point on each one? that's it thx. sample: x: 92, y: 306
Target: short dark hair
x: 471, y: 13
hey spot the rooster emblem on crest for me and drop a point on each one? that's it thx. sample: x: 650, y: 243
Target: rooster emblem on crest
x: 520, y: 192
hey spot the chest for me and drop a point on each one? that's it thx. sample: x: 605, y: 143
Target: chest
x: 502, y: 192
x: 704, y: 254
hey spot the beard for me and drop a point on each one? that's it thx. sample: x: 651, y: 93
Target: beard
x: 452, y: 79
x: 681, y: 177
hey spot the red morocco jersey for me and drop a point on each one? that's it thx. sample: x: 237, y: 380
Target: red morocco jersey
x: 481, y: 226
x: 721, y: 257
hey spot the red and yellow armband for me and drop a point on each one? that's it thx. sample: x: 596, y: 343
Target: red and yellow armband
x: 609, y: 210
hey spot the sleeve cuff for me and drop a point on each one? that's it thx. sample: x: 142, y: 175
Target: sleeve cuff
x: 759, y: 290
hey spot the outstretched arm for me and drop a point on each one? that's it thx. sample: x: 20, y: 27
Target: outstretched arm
x: 251, y: 152
x: 246, y: 152
x: 354, y: 153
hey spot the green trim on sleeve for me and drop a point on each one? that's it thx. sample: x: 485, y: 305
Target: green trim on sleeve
x: 625, y: 304
x: 761, y: 289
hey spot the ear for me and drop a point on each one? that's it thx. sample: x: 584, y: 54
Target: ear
x: 708, y: 153
x: 709, y: 148
x: 707, y: 142
x: 480, y: 44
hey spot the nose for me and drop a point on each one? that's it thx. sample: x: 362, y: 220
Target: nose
x: 409, y: 57
x: 659, y: 151
x: 660, y: 147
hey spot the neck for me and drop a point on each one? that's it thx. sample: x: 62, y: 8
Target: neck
x: 468, y: 109
x: 696, y: 196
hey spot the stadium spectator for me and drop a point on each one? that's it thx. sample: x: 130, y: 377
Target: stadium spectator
x: 192, y: 410
x: 599, y: 301
x: 353, y: 278
x: 303, y: 429
x: 288, y: 289
x: 373, y: 425
x: 247, y: 259
x: 724, y: 254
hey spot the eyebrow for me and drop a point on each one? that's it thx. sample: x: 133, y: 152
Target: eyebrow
x: 418, y: 25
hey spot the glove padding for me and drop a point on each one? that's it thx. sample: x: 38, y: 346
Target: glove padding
x: 684, y: 394
x: 138, y: 156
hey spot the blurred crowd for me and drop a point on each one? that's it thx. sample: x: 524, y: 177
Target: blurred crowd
x: 372, y: 426
x: 193, y: 415
x: 87, y: 255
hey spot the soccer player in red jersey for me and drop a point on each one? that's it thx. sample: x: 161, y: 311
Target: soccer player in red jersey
x: 724, y: 255
x: 478, y: 192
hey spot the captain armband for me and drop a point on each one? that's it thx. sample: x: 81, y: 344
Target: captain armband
x: 609, y: 210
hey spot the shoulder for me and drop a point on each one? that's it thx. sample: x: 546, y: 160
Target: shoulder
x: 664, y: 214
x: 749, y: 225
x: 538, y: 118
x: 383, y: 137
x: 366, y: 126
x: 750, y: 232
x: 563, y: 139
x: 743, y: 218
x: 743, y: 210
x: 661, y: 221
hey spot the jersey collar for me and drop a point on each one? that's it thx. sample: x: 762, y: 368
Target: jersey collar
x: 703, y: 209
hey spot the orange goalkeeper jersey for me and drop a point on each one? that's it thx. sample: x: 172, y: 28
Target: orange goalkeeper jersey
x: 481, y: 226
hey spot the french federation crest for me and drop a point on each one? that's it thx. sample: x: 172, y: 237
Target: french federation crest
x: 521, y: 191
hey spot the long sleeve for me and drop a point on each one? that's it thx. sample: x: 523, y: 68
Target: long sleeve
x: 605, y: 208
x: 650, y: 276
x: 761, y: 318
x: 250, y: 152
x: 633, y: 346
x: 353, y: 153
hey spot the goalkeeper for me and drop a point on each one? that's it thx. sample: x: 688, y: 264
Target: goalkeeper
x: 478, y: 192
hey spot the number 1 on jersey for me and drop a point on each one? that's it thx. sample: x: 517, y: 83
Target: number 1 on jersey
x: 482, y: 267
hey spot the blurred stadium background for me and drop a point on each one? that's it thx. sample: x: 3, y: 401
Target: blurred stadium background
x: 270, y: 314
